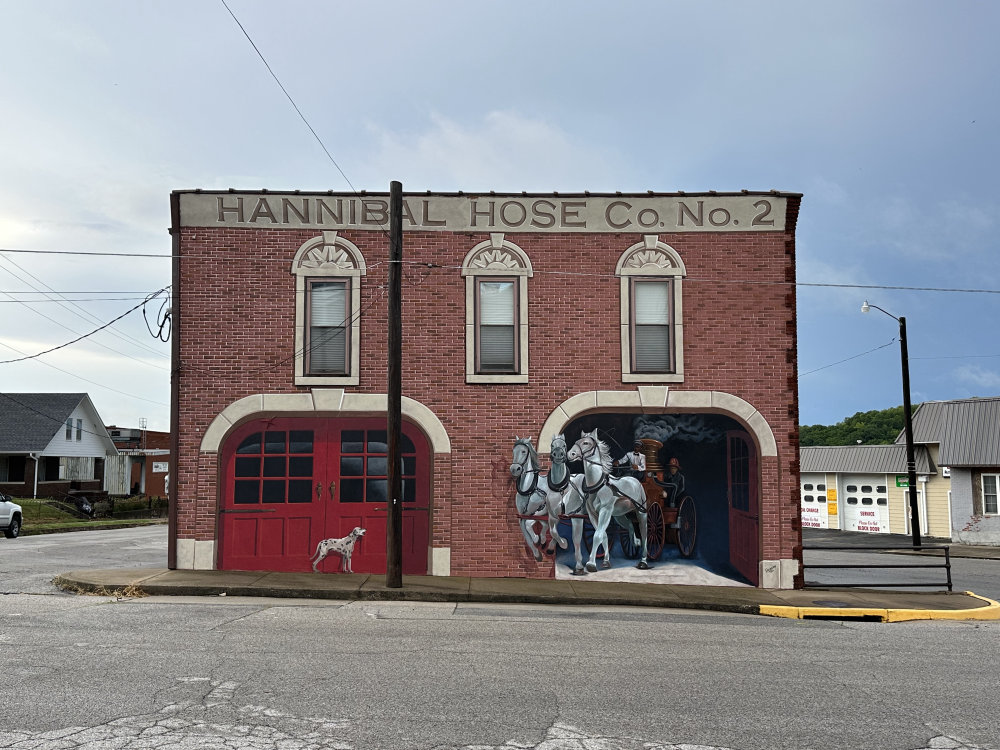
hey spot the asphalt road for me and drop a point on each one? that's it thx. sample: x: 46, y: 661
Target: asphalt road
x: 95, y: 672
x: 968, y: 574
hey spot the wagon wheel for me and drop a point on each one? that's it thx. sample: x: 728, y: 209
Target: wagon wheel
x: 655, y: 531
x: 687, y: 526
x: 630, y: 549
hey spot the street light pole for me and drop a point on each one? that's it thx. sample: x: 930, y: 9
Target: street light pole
x: 911, y: 463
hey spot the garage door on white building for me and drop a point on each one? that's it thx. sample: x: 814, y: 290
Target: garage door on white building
x: 865, y: 502
x: 814, y: 513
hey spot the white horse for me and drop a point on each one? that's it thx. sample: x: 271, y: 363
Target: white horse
x: 567, y: 486
x: 608, y: 497
x: 534, y: 499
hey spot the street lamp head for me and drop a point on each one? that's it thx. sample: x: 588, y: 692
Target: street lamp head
x: 866, y: 307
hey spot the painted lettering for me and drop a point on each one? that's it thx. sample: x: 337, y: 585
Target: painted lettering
x: 374, y: 211
x: 719, y: 217
x: 683, y: 210
x: 612, y: 206
x: 571, y: 212
x: 407, y: 215
x: 263, y: 209
x: 490, y: 213
x: 651, y: 220
x: 224, y: 209
x: 426, y: 219
x: 543, y: 218
x: 764, y: 207
x: 519, y: 220
x: 336, y: 215
x: 287, y: 206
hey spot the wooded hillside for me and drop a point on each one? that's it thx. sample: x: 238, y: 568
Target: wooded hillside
x: 868, y: 427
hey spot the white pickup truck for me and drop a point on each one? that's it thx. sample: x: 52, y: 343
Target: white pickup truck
x: 10, y: 516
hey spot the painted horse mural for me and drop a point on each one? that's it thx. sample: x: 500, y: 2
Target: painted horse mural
x: 607, y: 497
x: 534, y: 498
x: 568, y: 488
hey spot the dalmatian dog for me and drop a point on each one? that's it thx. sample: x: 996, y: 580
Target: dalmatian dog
x: 343, y: 547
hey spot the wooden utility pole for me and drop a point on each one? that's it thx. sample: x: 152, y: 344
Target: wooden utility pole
x: 394, y: 525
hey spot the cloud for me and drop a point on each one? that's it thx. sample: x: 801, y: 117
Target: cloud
x: 503, y: 151
x: 978, y: 377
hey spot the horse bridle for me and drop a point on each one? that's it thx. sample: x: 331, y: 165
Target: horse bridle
x: 586, y: 458
x: 565, y: 482
x: 534, y: 479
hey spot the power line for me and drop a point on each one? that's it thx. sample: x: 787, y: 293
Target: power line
x: 65, y: 299
x: 57, y: 420
x: 87, y: 380
x: 584, y: 274
x: 86, y: 335
x: 848, y: 359
x: 296, y: 107
x: 95, y: 319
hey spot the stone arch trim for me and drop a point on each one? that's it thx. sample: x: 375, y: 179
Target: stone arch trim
x: 329, y: 255
x: 655, y: 399
x: 496, y: 256
x: 322, y: 401
x: 651, y: 257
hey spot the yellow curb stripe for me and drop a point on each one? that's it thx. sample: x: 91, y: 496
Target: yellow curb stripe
x: 989, y: 612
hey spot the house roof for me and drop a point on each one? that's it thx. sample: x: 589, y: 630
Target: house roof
x: 863, y: 459
x: 29, y: 420
x: 968, y: 430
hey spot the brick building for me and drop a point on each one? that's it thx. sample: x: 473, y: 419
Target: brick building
x: 668, y: 318
x: 142, y: 464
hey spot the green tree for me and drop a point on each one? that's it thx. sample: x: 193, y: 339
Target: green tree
x: 866, y: 427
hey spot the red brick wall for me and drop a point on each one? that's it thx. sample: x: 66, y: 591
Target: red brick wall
x: 236, y: 338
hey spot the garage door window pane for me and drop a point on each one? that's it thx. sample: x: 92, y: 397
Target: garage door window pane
x: 246, y: 493
x: 299, y: 491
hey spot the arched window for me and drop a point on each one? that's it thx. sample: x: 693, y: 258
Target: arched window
x: 328, y: 271
x: 496, y: 275
x: 652, y: 331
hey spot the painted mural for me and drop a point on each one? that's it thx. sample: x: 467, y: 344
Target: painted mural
x: 638, y: 498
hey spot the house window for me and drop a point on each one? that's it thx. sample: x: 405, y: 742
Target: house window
x: 69, y: 429
x: 328, y: 271
x: 496, y: 326
x: 496, y: 275
x: 652, y: 332
x: 650, y: 326
x: 327, y: 340
x: 79, y: 429
x: 991, y: 483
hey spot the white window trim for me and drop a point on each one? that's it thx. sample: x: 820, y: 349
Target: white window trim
x: 496, y: 257
x: 982, y: 486
x: 654, y: 260
x: 328, y: 256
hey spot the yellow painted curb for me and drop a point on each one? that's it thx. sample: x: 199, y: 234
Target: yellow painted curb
x: 990, y: 612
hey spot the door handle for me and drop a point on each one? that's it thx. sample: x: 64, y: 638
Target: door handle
x: 319, y: 489
x: 333, y: 486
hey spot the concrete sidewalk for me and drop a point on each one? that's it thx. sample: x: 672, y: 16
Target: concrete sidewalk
x: 864, y: 604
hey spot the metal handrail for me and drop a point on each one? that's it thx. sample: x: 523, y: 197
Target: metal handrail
x: 946, y: 565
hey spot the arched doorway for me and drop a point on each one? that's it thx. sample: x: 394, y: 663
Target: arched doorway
x: 289, y: 482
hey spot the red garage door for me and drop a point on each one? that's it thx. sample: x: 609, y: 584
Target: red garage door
x: 289, y: 483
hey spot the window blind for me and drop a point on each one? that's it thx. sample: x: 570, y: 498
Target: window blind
x: 651, y: 333
x: 327, y: 345
x: 496, y: 326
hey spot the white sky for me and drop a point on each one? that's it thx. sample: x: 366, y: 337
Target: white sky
x: 884, y: 114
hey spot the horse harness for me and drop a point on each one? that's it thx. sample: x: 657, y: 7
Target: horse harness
x: 605, y: 481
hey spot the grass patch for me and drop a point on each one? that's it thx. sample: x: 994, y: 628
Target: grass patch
x: 37, y: 511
